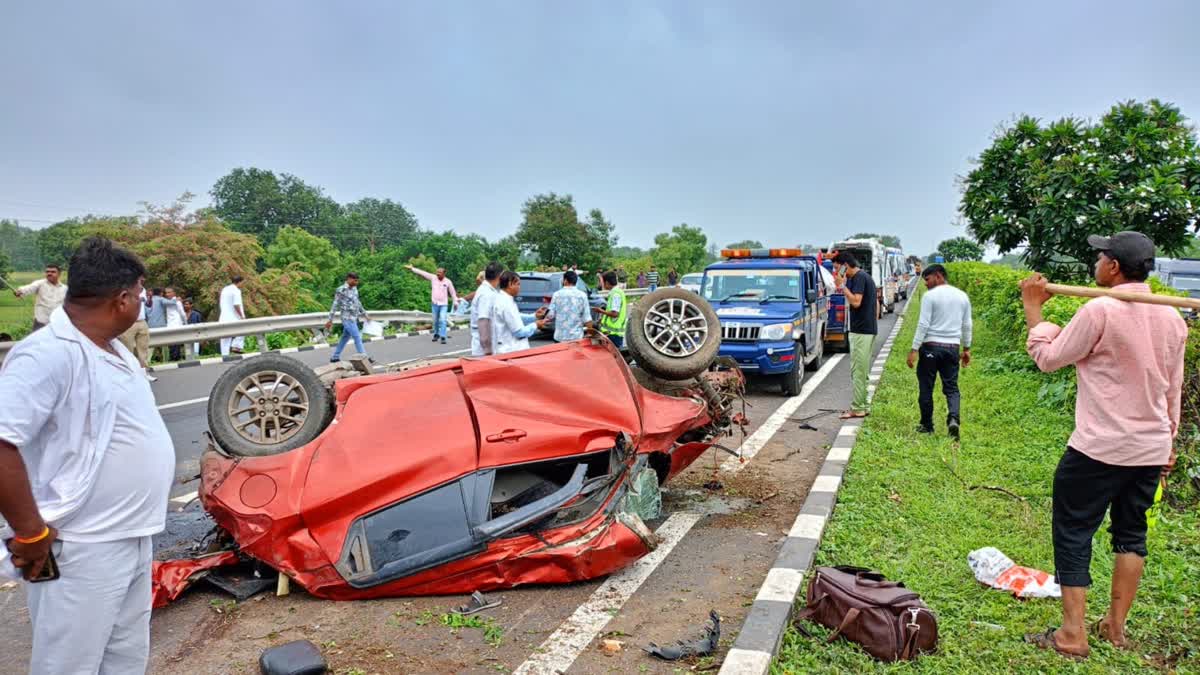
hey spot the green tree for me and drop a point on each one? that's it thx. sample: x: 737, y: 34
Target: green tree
x: 628, y: 252
x: 20, y: 243
x: 746, y: 243
x: 294, y: 248
x: 552, y: 230
x: 57, y: 242
x: 890, y: 240
x: 506, y: 251
x: 960, y: 249
x: 258, y: 202
x: 383, y: 221
x: 1011, y: 260
x: 5, y: 266
x: 684, y: 248
x: 1046, y: 188
x: 385, y: 283
x: 197, y: 254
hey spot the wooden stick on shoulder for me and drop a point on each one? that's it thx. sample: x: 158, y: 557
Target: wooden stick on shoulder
x: 1147, y: 298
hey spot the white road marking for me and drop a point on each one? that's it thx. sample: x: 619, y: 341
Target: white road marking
x: 180, y: 404
x: 807, y: 526
x: 759, y: 438
x: 746, y: 661
x: 849, y: 430
x: 780, y: 585
x: 826, y: 484
x: 565, y: 645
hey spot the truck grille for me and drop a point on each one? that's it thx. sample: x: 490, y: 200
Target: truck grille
x: 737, y: 332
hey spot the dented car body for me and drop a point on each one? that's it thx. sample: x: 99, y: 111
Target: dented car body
x: 472, y: 474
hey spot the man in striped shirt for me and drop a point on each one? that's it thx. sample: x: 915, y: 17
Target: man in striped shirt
x: 652, y: 278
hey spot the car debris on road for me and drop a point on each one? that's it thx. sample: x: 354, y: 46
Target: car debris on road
x: 702, y: 646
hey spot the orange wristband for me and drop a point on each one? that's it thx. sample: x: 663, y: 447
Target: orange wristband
x: 33, y: 540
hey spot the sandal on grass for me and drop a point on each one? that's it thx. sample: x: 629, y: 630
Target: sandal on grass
x: 1046, y: 641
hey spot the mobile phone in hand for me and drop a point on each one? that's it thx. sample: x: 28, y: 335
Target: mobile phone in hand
x: 49, y: 570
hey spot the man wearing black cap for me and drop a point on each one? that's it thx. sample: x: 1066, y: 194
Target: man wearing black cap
x: 1129, y: 360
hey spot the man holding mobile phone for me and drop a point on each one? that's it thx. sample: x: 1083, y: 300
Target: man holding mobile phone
x: 86, y: 464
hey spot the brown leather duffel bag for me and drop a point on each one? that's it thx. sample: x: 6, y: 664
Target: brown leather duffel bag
x: 888, y: 620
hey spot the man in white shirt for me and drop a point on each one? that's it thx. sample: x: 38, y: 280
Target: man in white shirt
x: 48, y: 295
x: 232, y: 310
x: 944, y: 326
x: 510, y: 328
x: 86, y: 464
x: 481, y: 311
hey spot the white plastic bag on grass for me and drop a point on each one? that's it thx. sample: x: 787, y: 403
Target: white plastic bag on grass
x: 993, y: 568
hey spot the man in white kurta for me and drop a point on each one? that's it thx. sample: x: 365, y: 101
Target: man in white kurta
x: 86, y: 465
x: 510, y: 328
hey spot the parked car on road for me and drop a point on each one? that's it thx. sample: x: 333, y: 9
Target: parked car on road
x: 456, y: 475
x: 691, y: 282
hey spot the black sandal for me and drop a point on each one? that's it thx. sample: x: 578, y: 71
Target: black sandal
x: 1046, y: 641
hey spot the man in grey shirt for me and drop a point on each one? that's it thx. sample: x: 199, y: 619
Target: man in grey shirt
x: 944, y: 326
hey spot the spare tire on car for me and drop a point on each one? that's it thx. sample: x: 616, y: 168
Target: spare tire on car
x: 267, y: 405
x: 673, y: 334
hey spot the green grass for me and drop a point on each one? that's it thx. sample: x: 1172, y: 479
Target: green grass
x: 901, y: 511
x: 16, y: 314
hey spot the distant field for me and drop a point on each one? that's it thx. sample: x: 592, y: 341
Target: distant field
x: 16, y: 314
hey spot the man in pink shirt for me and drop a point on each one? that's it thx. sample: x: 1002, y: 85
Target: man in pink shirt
x: 1129, y: 361
x: 440, y: 296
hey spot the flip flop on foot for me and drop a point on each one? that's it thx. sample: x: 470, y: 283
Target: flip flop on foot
x: 854, y: 414
x: 1046, y: 641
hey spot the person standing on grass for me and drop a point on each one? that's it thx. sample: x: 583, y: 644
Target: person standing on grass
x: 86, y: 464
x: 862, y: 296
x: 569, y: 309
x: 945, y: 326
x: 615, y: 313
x: 232, y: 310
x: 348, y: 308
x: 1128, y: 359
x: 481, y: 311
x: 672, y: 277
x: 48, y: 294
x: 641, y: 280
x: 442, y: 298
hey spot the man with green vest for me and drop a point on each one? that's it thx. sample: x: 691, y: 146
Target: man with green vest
x: 614, y: 315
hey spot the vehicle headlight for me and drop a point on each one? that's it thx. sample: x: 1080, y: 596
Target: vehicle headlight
x: 776, y: 331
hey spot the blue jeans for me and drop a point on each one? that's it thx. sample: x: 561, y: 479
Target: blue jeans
x: 653, y: 287
x: 617, y: 340
x: 349, y: 331
x: 441, y: 315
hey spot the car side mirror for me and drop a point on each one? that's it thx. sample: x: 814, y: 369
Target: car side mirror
x: 812, y: 295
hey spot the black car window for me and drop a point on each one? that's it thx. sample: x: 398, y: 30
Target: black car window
x: 537, y: 286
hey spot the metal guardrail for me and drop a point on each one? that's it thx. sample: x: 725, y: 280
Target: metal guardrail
x: 261, y: 326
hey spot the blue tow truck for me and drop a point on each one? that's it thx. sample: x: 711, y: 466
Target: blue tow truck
x: 773, y: 309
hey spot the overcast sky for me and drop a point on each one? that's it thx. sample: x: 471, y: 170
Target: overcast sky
x: 782, y: 121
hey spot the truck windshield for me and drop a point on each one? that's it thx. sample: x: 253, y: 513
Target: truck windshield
x: 752, y: 285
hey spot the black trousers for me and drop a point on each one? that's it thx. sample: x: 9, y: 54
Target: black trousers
x: 935, y: 360
x: 1084, y: 488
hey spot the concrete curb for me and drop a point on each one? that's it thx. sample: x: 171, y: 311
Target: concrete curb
x: 763, y: 630
x: 287, y: 350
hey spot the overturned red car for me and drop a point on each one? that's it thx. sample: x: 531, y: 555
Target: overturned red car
x: 460, y: 475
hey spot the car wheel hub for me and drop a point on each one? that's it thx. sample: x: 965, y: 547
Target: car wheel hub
x: 675, y: 327
x: 268, y: 407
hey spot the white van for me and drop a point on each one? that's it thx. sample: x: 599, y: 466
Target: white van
x: 872, y: 256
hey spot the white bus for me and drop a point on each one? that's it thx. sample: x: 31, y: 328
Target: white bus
x: 872, y: 256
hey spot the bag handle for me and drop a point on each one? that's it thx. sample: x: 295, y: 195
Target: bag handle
x: 851, y: 617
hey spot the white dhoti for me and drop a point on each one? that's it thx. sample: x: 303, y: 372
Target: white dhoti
x: 95, y: 618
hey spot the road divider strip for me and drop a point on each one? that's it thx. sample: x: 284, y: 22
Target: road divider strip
x: 762, y: 631
x: 232, y: 358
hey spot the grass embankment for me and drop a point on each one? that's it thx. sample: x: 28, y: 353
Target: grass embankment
x: 902, y: 511
x: 16, y: 314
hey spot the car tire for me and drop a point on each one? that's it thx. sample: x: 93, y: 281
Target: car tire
x: 819, y: 359
x: 793, y: 380
x: 673, y: 334
x: 244, y: 416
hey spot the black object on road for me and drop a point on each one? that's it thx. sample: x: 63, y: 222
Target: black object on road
x: 699, y: 647
x: 294, y: 658
x: 478, y: 603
